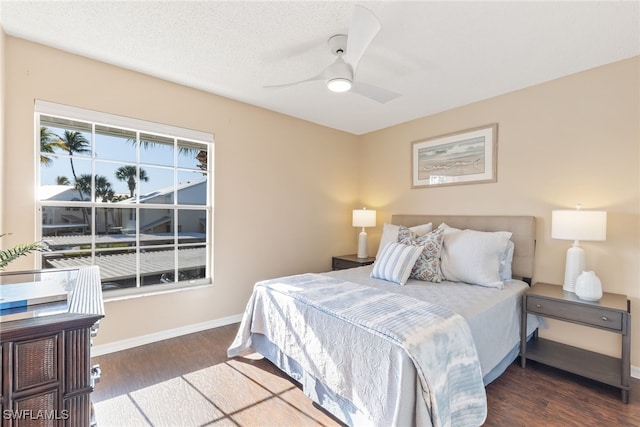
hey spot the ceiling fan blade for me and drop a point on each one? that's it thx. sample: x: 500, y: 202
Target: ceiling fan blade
x: 373, y: 92
x: 364, y: 27
x: 321, y: 76
x: 295, y: 50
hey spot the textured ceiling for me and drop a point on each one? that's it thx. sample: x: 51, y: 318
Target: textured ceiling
x: 438, y: 55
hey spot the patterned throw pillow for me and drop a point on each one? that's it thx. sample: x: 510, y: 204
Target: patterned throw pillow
x: 390, y: 233
x: 427, y: 267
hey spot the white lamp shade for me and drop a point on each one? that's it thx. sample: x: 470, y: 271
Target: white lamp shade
x: 579, y: 225
x: 364, y: 218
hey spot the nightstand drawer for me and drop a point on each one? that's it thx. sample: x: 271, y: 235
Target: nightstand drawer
x: 594, y: 316
x: 340, y: 264
x: 343, y: 262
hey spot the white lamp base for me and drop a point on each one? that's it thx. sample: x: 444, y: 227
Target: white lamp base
x: 362, y: 244
x: 574, y: 266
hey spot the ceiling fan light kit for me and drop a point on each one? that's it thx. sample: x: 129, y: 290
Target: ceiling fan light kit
x: 339, y: 74
x: 339, y: 85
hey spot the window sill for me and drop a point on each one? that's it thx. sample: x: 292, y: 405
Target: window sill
x: 153, y: 290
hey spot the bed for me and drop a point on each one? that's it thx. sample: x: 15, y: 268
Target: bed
x: 372, y: 351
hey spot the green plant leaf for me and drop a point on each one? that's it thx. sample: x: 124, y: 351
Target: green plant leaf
x: 8, y: 255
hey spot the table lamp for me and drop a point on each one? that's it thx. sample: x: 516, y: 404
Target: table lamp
x: 363, y: 218
x: 577, y: 225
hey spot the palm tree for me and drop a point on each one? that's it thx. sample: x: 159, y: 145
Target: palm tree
x: 202, y: 159
x: 62, y: 180
x: 49, y: 141
x: 104, y: 191
x: 75, y: 142
x: 103, y: 188
x: 129, y: 174
x: 83, y: 184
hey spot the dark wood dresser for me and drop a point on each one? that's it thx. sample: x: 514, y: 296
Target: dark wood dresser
x: 47, y: 377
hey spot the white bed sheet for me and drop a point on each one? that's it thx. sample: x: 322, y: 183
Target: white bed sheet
x: 493, y: 314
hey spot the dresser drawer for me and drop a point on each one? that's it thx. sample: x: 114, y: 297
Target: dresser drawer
x: 589, y: 315
x: 35, y: 362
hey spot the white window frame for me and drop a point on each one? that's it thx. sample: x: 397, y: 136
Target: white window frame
x: 96, y: 118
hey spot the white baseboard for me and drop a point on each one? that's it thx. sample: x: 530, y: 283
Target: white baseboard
x: 101, y: 349
x: 635, y: 371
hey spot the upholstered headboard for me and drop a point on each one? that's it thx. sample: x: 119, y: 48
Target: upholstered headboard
x: 523, y: 229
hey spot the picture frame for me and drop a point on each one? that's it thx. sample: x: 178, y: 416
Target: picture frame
x: 465, y: 157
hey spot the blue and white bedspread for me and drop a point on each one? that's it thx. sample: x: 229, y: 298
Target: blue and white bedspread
x: 365, y: 368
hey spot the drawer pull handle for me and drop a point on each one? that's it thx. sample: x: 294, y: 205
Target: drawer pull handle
x: 538, y: 306
x: 604, y: 318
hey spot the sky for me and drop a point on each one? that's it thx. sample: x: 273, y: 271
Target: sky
x: 113, y: 152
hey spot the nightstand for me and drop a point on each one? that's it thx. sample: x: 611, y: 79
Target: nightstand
x: 343, y: 262
x: 611, y: 313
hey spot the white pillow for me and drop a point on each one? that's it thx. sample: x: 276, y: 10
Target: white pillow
x: 506, y: 259
x: 473, y: 257
x: 390, y: 233
x: 505, y: 262
x: 395, y: 262
x: 448, y: 229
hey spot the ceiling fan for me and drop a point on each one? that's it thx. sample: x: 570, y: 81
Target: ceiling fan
x: 340, y: 76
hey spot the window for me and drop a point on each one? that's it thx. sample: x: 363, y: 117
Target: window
x: 130, y: 196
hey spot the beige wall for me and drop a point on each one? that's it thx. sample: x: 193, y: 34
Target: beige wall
x: 284, y: 188
x: 2, y: 128
x: 571, y: 140
x: 568, y: 141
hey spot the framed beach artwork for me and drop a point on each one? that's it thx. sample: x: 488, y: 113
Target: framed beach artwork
x: 466, y: 157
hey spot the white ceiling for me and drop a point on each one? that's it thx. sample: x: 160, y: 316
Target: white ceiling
x: 438, y: 55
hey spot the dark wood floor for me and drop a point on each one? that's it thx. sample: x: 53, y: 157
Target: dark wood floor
x: 188, y: 381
